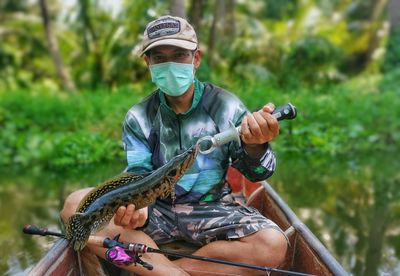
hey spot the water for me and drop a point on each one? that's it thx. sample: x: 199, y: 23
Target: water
x: 352, y: 203
x: 35, y: 197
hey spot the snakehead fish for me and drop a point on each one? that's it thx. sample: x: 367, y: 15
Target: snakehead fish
x: 98, y: 207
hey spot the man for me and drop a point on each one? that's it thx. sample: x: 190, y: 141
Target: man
x: 168, y: 122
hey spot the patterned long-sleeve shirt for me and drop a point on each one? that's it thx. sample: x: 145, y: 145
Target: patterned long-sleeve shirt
x: 153, y: 134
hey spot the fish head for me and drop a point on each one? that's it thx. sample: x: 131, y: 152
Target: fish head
x: 181, y: 163
x: 76, y: 232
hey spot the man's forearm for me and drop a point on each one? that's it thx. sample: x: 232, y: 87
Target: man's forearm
x: 256, y: 162
x: 255, y: 151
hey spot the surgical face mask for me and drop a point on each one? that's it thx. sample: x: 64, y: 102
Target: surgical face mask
x: 172, y: 78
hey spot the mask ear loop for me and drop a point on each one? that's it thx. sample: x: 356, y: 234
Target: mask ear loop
x: 194, y: 67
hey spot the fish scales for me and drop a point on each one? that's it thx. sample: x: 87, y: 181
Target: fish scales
x: 103, y: 188
x: 98, y: 207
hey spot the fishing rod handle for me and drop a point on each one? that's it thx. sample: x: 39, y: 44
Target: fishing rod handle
x: 34, y: 230
x: 284, y: 112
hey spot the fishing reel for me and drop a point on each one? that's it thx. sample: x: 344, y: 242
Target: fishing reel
x: 125, y: 254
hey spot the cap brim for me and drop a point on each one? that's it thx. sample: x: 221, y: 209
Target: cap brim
x: 188, y: 45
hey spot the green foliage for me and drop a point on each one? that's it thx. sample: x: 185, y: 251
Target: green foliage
x: 392, y: 58
x: 311, y: 60
x: 357, y: 116
x: 289, y: 42
x: 83, y: 148
x: 292, y: 51
x: 45, y: 129
x: 52, y: 130
x: 359, y: 10
x: 281, y: 9
x: 391, y: 80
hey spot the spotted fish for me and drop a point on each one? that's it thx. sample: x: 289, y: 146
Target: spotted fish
x: 98, y: 207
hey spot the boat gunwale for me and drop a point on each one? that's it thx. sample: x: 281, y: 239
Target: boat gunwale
x: 49, y: 264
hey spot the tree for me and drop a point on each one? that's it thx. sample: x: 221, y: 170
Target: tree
x: 196, y: 14
x: 365, y: 19
x: 376, y: 22
x: 177, y: 8
x: 218, y: 18
x: 392, y: 57
x: 53, y: 48
x: 229, y: 24
x: 91, y: 42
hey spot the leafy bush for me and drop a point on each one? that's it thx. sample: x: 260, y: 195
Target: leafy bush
x: 61, y: 130
x: 311, y: 60
x: 58, y: 130
x: 392, y: 57
x: 356, y: 116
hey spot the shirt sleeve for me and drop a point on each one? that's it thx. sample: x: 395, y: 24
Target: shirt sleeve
x: 138, y: 154
x: 254, y: 169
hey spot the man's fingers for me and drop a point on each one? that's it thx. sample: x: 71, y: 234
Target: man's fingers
x: 139, y: 218
x: 253, y: 124
x: 269, y: 107
x: 259, y: 127
x: 272, y: 124
x: 142, y: 217
x: 135, y: 215
x: 262, y: 123
x: 119, y: 214
x: 250, y: 130
x: 128, y: 215
x: 244, y: 127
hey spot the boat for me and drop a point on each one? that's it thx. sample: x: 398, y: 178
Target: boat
x: 306, y: 254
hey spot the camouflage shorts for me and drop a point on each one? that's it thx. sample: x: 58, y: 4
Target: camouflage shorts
x: 203, y: 222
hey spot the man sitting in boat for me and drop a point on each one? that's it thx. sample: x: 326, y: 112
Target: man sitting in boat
x: 165, y: 124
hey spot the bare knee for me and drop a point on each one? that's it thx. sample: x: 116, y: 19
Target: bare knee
x: 270, y: 246
x: 71, y: 203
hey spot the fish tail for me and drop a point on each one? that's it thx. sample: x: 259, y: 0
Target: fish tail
x: 77, y: 232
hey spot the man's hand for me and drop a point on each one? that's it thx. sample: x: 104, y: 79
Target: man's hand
x: 259, y: 127
x: 129, y: 217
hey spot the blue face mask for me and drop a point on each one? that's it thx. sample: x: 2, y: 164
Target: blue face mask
x: 172, y: 78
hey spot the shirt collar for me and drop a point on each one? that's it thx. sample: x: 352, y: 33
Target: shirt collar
x: 197, y: 93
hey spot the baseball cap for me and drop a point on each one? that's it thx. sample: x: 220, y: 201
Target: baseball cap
x: 169, y: 30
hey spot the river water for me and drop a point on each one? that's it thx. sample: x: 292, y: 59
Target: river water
x: 351, y: 203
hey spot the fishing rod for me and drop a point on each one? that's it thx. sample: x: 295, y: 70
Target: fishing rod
x: 124, y: 254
